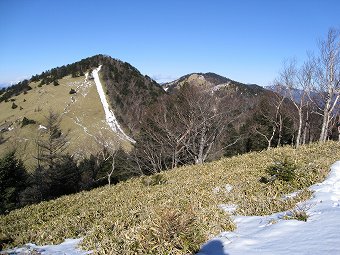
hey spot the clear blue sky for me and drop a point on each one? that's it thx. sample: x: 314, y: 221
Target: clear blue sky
x: 243, y: 40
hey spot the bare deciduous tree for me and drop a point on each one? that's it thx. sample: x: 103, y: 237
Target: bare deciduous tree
x: 106, y: 148
x: 295, y: 83
x: 186, y: 127
x: 271, y: 113
x: 327, y: 84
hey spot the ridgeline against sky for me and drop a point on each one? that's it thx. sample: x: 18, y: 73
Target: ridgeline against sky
x: 244, y: 40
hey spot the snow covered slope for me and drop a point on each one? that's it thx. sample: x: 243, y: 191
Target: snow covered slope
x: 274, y: 235
x: 109, y: 115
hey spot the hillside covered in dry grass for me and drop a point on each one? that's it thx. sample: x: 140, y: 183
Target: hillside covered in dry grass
x: 173, y: 212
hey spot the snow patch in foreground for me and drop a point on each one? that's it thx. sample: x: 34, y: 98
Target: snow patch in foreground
x: 273, y: 235
x: 109, y: 115
x: 68, y: 247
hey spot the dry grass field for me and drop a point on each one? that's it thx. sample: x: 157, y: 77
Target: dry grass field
x: 173, y: 212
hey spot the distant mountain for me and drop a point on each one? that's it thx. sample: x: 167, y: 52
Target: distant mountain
x: 297, y: 93
x: 212, y: 81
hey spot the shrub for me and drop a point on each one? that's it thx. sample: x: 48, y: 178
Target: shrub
x: 72, y: 91
x: 153, y: 180
x: 14, y: 105
x: 281, y: 170
x: 4, y: 240
x: 25, y: 121
x: 300, y: 213
x: 172, y: 231
x: 55, y: 83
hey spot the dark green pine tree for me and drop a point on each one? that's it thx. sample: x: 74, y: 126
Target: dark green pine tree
x: 13, y: 178
x: 65, y: 177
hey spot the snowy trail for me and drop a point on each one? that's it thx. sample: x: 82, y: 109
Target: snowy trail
x: 273, y: 235
x: 109, y: 115
x: 68, y: 247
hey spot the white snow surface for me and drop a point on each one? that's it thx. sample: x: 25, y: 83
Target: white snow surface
x: 42, y: 127
x: 274, y: 235
x: 68, y: 247
x: 109, y: 115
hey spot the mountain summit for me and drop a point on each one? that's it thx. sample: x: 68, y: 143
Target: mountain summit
x: 211, y: 81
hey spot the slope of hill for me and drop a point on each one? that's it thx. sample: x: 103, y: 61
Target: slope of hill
x: 174, y: 212
x: 71, y: 92
x: 128, y: 91
x: 81, y: 112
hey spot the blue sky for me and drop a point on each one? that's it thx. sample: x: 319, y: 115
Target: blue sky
x: 245, y: 40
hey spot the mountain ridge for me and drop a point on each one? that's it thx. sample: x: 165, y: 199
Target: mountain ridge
x: 210, y: 80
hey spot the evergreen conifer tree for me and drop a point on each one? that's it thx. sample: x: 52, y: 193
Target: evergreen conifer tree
x: 12, y: 181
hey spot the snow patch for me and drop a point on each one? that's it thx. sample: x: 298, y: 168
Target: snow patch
x: 86, y: 76
x: 110, y: 117
x: 274, y: 235
x: 291, y: 195
x: 68, y: 247
x: 216, y: 190
x: 220, y: 86
x: 228, y: 187
x: 229, y: 208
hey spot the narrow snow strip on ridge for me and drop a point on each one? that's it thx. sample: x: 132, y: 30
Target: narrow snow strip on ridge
x: 274, y: 235
x: 109, y: 115
x: 68, y: 247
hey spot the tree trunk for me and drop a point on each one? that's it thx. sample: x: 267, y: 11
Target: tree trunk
x: 298, y: 137
x: 112, y: 169
x: 199, y: 158
x: 306, y: 128
x: 325, y: 123
x: 280, y: 130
